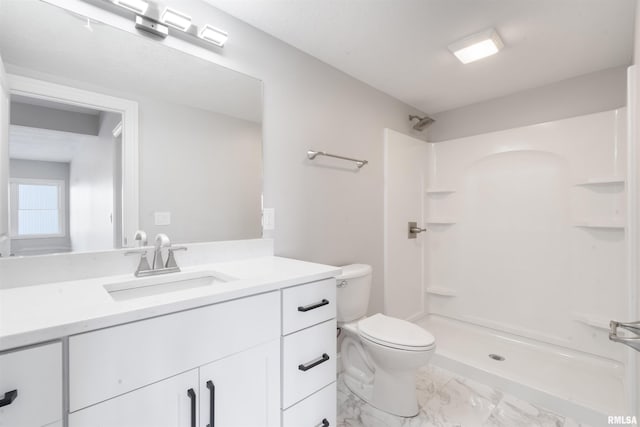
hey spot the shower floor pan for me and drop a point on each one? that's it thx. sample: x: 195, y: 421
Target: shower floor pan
x: 566, y: 382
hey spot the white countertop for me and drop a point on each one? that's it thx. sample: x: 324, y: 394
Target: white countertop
x: 38, y: 313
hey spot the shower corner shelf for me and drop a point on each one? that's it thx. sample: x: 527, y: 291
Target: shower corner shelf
x: 605, y: 180
x: 440, y: 190
x: 440, y: 221
x: 603, y: 224
x: 593, y: 321
x: 441, y: 291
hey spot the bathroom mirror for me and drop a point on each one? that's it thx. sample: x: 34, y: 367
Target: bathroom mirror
x: 199, y: 139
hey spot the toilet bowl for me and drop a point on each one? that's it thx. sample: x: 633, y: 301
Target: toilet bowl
x: 380, y: 354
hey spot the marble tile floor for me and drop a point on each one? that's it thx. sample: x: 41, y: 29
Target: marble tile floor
x: 448, y: 400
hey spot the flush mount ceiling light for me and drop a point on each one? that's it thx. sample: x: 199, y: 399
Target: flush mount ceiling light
x: 137, y: 6
x: 477, y: 46
x: 176, y: 19
x: 214, y: 35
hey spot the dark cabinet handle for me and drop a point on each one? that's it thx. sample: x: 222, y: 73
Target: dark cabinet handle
x: 314, y: 363
x: 325, y: 423
x: 8, y: 398
x: 212, y: 403
x: 192, y: 395
x: 313, y: 306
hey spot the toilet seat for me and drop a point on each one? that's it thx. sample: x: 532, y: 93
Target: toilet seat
x: 395, y: 333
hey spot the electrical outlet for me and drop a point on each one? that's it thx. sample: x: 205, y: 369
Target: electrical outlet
x: 268, y: 219
x: 162, y: 218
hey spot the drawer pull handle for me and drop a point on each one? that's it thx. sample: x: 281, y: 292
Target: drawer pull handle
x: 314, y: 363
x: 212, y: 403
x: 313, y: 306
x: 8, y: 398
x: 192, y: 395
x: 325, y: 423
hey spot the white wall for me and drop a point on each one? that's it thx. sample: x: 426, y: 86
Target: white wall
x: 33, y: 169
x: 91, y: 190
x: 516, y: 258
x: 590, y: 93
x: 635, y: 287
x: 202, y: 167
x: 4, y: 162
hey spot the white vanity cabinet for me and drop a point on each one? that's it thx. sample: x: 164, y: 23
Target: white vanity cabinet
x: 309, y: 354
x: 31, y: 386
x: 118, y: 376
x: 259, y: 356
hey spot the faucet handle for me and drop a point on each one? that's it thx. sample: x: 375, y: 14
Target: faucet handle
x: 171, y: 260
x: 162, y: 241
x: 141, y: 236
x: 143, y: 265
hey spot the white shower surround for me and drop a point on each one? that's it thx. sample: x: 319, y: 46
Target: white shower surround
x: 528, y: 239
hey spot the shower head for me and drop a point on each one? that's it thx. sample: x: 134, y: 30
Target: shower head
x: 423, y: 122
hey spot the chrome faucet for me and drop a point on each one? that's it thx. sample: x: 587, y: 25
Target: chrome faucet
x: 158, y: 266
x: 161, y: 241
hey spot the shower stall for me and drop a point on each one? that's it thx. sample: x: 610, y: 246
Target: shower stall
x: 526, y: 258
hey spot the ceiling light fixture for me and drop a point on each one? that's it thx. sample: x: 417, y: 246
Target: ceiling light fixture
x: 213, y: 35
x: 137, y: 6
x: 477, y: 46
x: 176, y: 19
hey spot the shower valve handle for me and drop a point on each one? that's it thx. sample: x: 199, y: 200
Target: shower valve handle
x: 414, y: 230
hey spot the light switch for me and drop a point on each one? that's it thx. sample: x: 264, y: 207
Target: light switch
x: 162, y: 218
x: 268, y: 219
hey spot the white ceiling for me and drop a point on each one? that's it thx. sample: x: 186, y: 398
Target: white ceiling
x: 400, y: 46
x: 53, y: 105
x: 27, y: 143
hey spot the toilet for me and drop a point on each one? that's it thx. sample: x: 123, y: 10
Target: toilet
x: 380, y: 354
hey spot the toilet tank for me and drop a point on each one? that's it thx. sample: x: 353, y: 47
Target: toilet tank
x: 354, y: 285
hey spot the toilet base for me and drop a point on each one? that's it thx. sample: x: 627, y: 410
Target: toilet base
x: 408, y: 399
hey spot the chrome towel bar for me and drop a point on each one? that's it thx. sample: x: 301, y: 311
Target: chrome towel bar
x: 311, y: 154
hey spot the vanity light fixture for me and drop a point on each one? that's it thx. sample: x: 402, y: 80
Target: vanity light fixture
x: 137, y: 6
x: 213, y: 35
x: 176, y: 19
x: 154, y: 18
x: 477, y: 46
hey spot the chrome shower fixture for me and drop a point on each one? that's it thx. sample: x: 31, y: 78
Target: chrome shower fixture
x: 423, y: 122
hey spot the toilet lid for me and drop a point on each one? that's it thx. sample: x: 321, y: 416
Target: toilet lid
x: 394, y: 332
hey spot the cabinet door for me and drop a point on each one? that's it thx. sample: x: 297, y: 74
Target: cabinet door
x: 242, y: 390
x: 167, y: 403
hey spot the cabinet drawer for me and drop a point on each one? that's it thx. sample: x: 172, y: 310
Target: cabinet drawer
x: 36, y: 375
x: 307, y: 305
x: 308, y: 362
x: 113, y: 361
x: 314, y: 410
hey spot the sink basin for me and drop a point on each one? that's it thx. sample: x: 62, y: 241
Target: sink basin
x: 156, y: 285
